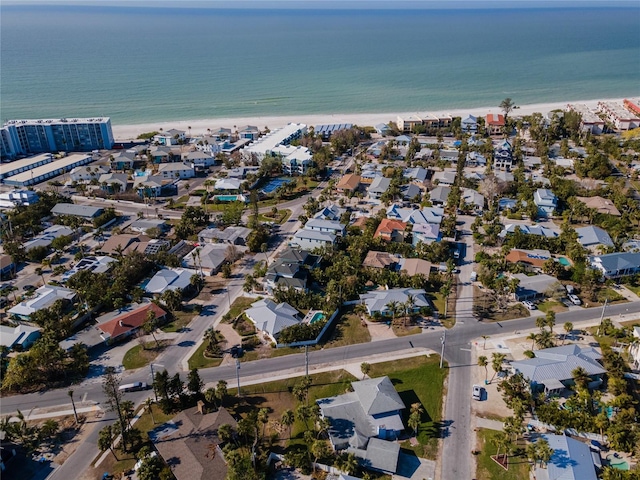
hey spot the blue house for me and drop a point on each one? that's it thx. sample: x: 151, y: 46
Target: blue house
x: 546, y: 201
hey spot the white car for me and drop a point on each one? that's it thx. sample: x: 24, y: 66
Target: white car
x: 529, y: 305
x: 574, y: 299
x: 477, y: 392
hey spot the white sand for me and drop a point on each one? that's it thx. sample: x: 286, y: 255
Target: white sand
x: 199, y: 127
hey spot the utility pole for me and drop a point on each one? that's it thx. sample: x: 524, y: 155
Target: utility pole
x: 442, y: 340
x: 606, y: 300
x: 306, y: 360
x: 153, y: 380
x: 238, y: 376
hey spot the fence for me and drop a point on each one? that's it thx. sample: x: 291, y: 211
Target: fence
x: 316, y: 340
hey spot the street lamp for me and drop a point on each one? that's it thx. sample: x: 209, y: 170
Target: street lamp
x: 443, y: 339
x: 238, y: 375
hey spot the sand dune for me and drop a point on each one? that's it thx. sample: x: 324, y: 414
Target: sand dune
x: 199, y: 127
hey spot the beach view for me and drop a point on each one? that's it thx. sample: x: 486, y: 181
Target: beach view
x: 319, y: 240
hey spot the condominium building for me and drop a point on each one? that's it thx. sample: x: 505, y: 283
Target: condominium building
x: 25, y: 137
x: 267, y: 144
x: 590, y: 122
x: 619, y: 116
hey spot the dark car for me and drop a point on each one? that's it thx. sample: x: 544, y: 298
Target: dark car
x: 28, y: 288
x: 236, y: 351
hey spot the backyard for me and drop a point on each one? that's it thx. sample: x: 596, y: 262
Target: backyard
x: 488, y: 469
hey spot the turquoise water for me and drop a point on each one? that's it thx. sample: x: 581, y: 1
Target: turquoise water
x: 227, y: 198
x: 149, y: 64
x: 317, y: 317
x: 564, y: 262
x: 617, y: 463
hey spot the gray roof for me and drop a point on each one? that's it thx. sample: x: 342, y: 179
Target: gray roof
x: 330, y: 212
x: 84, y: 211
x: 571, y: 460
x: 379, y: 185
x: 212, y: 256
x: 169, y: 279
x: 533, y: 285
x: 529, y: 230
x: 228, y: 235
x: 378, y: 395
x: 272, y: 318
x: 382, y: 455
x: 377, y: 300
x: 616, y: 262
x: 320, y: 223
x: 416, y: 173
x: 410, y: 191
x: 591, y: 235
x: 440, y: 194
x: 314, y: 235
x: 557, y: 363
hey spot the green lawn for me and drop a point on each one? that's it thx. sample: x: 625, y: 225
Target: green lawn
x: 419, y: 379
x: 281, y: 217
x: 552, y: 306
x: 198, y: 360
x: 138, y: 356
x: 348, y: 331
x: 634, y: 288
x: 180, y: 320
x: 240, y: 305
x: 438, y: 301
x: 488, y: 469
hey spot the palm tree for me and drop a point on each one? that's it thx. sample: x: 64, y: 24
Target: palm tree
x: 393, y: 307
x: 545, y: 452
x: 39, y: 271
x: 483, y: 362
x: 484, y: 341
x: 568, y: 328
x: 496, y: 363
x: 263, y: 417
x: 544, y: 339
x: 550, y: 319
x: 500, y: 441
x: 149, y: 326
x: 541, y: 322
x: 288, y: 419
x: 445, y: 291
x: 365, y: 368
x: 73, y: 404
x: 533, y: 337
x: 148, y: 405
x: 580, y: 378
x: 409, y: 305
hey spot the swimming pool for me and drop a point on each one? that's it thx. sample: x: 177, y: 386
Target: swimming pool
x: 617, y: 463
x: 226, y: 198
x: 318, y: 316
x: 564, y: 262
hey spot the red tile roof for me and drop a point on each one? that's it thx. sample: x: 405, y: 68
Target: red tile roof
x: 387, y: 227
x: 130, y: 320
x: 495, y: 119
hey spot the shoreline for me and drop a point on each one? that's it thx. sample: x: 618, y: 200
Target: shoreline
x: 199, y: 127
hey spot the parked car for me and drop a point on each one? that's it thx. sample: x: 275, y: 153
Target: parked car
x: 570, y: 289
x: 477, y: 392
x: 28, y: 288
x: 133, y: 387
x: 574, y: 299
x: 529, y: 305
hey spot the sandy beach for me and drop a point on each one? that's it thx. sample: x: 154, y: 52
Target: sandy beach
x: 199, y: 127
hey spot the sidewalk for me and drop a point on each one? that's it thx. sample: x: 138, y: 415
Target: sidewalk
x: 60, y: 411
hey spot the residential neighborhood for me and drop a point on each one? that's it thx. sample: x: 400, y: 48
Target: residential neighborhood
x: 336, y: 299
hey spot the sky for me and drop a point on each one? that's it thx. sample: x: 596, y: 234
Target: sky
x: 336, y: 4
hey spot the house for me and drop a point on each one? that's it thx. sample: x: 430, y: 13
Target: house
x: 43, y: 297
x: 142, y: 225
x: 153, y: 186
x: 126, y: 322
x: 169, y: 279
x: 161, y: 155
x: 330, y: 212
x: 364, y: 421
x: 231, y: 235
x: 507, y: 204
x: 176, y: 170
x: 504, y: 176
x: 521, y: 228
x: 114, y: 182
x: 475, y: 159
x: 440, y: 195
x: 290, y: 270
x: 250, y: 132
x: 469, y: 124
x: 531, y: 258
x: 377, y: 301
x: 46, y: 237
x: 532, y: 287
x: 382, y: 129
x: 409, y: 123
x: 190, y: 444
x: 413, y: 216
x: 21, y: 336
x: 228, y: 185
x: 447, y: 177
x: 200, y: 160
x: 170, y: 137
x: 123, y: 161
x: 546, y: 202
x: 391, y: 230
x: 99, y: 264
x: 425, y: 233
x: 600, y: 205
x: 85, y: 174
x: 85, y: 212
x: 310, y: 239
x: 571, y: 459
x: 122, y: 244
x: 349, y: 183
x: 381, y: 260
x: 415, y: 266
x: 378, y: 187
x: 16, y: 198
x: 494, y: 123
x: 503, y: 157
x: 410, y: 191
x: 473, y: 198
x: 271, y: 318
x: 207, y: 259
x: 615, y: 265
x: 594, y: 238
x: 551, y: 370
x: 418, y: 175
x: 321, y: 225
x: 6, y: 266
x: 634, y: 349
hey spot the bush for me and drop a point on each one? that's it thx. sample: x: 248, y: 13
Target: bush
x: 251, y: 342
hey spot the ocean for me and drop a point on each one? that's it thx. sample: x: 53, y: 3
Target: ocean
x: 140, y: 65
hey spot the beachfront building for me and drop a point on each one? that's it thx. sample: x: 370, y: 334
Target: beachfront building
x: 25, y: 137
x: 618, y: 115
x: 170, y: 137
x: 469, y: 124
x: 327, y: 130
x: 48, y: 171
x: 429, y: 121
x: 494, y: 123
x: 267, y: 144
x: 590, y: 122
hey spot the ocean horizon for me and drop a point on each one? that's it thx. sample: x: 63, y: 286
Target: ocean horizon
x: 142, y: 65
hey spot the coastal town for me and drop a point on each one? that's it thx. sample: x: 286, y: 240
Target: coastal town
x: 434, y: 296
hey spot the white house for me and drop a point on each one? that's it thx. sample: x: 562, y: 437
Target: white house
x: 176, y: 170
